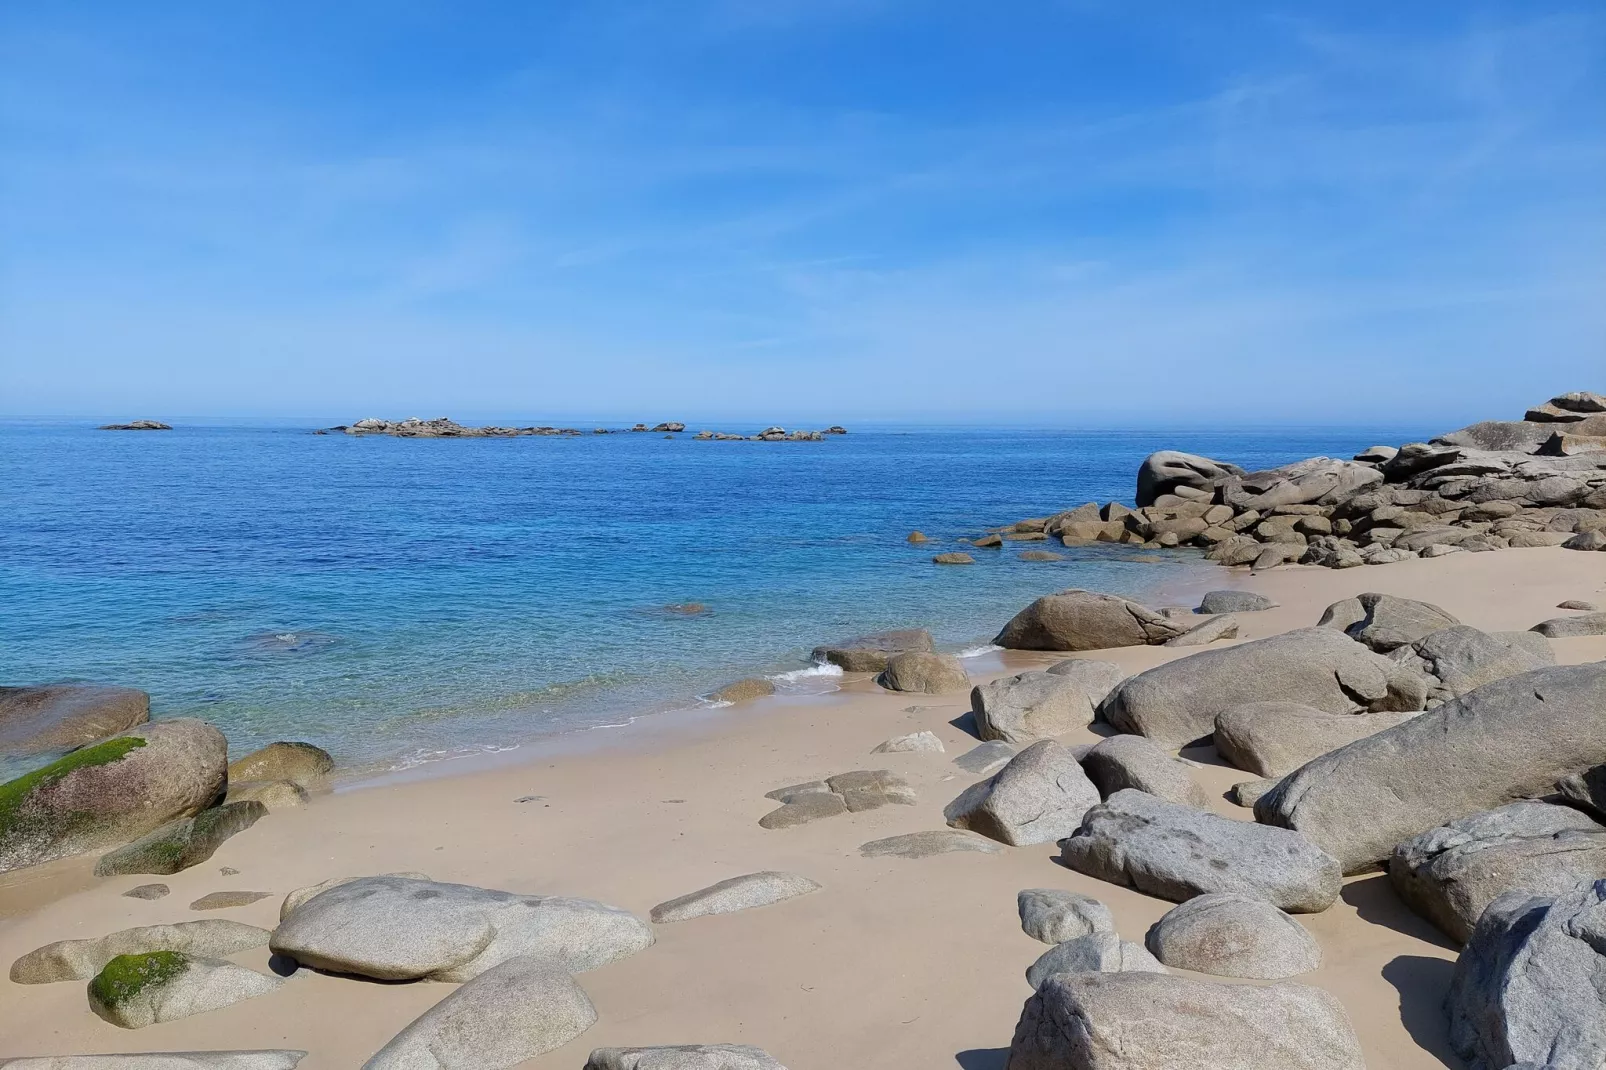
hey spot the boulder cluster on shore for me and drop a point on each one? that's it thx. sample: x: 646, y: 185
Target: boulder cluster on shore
x: 442, y: 427
x: 1539, y: 481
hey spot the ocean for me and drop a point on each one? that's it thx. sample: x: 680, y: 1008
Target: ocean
x: 401, y: 601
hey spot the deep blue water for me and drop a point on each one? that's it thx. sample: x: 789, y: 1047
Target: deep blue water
x: 399, y: 599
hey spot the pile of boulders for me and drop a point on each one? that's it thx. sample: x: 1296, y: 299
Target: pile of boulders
x: 770, y: 434
x: 1540, y: 481
x: 440, y: 427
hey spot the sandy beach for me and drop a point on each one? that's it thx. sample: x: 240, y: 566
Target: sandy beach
x: 895, y: 963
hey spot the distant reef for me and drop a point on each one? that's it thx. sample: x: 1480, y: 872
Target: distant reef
x: 137, y: 425
x: 442, y: 427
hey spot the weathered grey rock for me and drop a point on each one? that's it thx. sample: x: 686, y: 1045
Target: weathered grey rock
x: 986, y: 759
x: 870, y: 789
x: 1233, y: 935
x: 954, y: 557
x: 869, y: 653
x: 926, y: 844
x: 930, y: 674
x: 736, y: 893
x: 1097, y: 952
x: 1096, y: 678
x: 1580, y: 604
x: 273, y: 794
x: 301, y: 895
x: 1377, y: 454
x: 1134, y: 762
x: 147, y: 891
x: 1530, y: 985
x: 1463, y: 659
x: 164, y: 1060
x: 1586, y: 790
x: 1247, y: 792
x: 180, y: 844
x: 1235, y: 602
x: 1385, y: 622
x: 450, y: 932
x: 134, y: 991
x: 1054, y: 915
x: 684, y: 1057
x: 1039, y: 797
x: 803, y: 808
x: 300, y: 763
x: 50, y: 717
x: 1272, y: 739
x: 1177, y: 703
x: 748, y: 689
x: 79, y: 960
x: 1207, y: 631
x: 1509, y: 740
x: 1569, y: 627
x: 1165, y: 471
x: 1315, y: 480
x: 1030, y: 706
x: 1451, y: 873
x: 1152, y: 1021
x: 922, y: 742
x: 519, y: 1009
x: 1176, y: 852
x: 111, y: 792
x: 1085, y: 620
x: 228, y: 900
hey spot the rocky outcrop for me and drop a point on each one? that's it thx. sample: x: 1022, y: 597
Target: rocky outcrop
x: 1084, y: 620
x: 1134, y: 762
x: 1030, y: 706
x: 1234, y: 936
x: 1177, y: 852
x: 519, y: 1009
x: 450, y: 932
x: 1168, y: 471
x: 684, y: 1057
x: 1454, y: 661
x: 137, y: 425
x: 180, y: 844
x: 1054, y: 915
x: 34, y: 720
x: 1530, y: 985
x: 301, y: 764
x: 134, y: 991
x: 1150, y: 1021
x: 111, y: 792
x: 1177, y: 703
x: 1272, y: 739
x: 1039, y: 797
x: 737, y: 893
x: 869, y: 653
x: 1451, y: 873
x: 1097, y: 952
x: 1509, y: 740
x: 79, y: 960
x: 928, y: 674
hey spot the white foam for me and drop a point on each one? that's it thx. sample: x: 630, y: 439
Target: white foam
x: 821, y: 668
x: 428, y: 757
x: 979, y: 651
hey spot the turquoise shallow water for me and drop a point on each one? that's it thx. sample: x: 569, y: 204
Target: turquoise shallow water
x: 403, y: 600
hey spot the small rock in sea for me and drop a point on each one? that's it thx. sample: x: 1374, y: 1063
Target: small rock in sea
x: 687, y: 609
x: 1579, y: 604
x: 955, y: 557
x: 1054, y: 915
x: 926, y: 844
x: 869, y: 653
x: 686, y: 1056
x: 134, y: 991
x: 917, y: 536
x: 1233, y: 935
x: 912, y: 743
x: 989, y: 541
x: 1041, y: 555
x: 986, y: 759
x: 745, y: 690
x: 79, y: 960
x: 737, y: 893
x: 147, y: 891
x: 137, y: 425
x: 225, y: 900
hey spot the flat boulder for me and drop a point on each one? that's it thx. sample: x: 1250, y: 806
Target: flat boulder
x: 926, y: 844
x: 180, y: 844
x: 1272, y: 739
x: 1572, y: 627
x: 922, y: 742
x: 1030, y: 706
x: 111, y: 792
x: 1097, y: 952
x: 49, y: 717
x: 1054, y: 915
x: 1039, y: 797
x: 520, y: 1008
x: 399, y: 929
x: 1460, y: 659
x: 1085, y: 620
x: 1154, y: 1021
x: 869, y: 653
x: 1450, y: 874
x: 736, y: 893
x: 79, y: 960
x: 1530, y: 985
x: 985, y: 759
x: 1509, y: 740
x: 134, y: 991
x: 803, y: 808
x: 684, y: 1057
x: 1177, y: 703
x: 300, y: 763
x: 1235, y: 602
x: 264, y: 1059
x: 871, y: 789
x: 1176, y: 852
x: 1125, y: 761
x: 1233, y: 935
x: 929, y: 674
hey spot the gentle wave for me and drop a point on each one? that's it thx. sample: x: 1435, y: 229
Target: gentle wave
x: 820, y: 668
x: 979, y: 651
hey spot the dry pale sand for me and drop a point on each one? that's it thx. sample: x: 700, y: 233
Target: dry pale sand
x: 896, y: 963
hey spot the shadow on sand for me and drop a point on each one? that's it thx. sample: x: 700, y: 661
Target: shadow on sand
x: 983, y: 1059
x: 1375, y: 900
x: 1422, y: 983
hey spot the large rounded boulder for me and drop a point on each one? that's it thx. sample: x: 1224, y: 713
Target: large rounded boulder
x: 111, y: 792
x: 1085, y: 620
x: 1165, y: 471
x: 56, y: 717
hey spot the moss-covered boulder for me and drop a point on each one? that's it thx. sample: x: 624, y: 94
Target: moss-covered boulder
x: 134, y: 991
x: 79, y: 960
x: 111, y: 792
x: 58, y: 717
x: 300, y: 763
x: 180, y: 844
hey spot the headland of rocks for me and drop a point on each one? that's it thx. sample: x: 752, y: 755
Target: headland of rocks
x: 442, y: 427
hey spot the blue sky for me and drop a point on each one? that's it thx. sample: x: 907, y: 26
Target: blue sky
x: 1057, y: 212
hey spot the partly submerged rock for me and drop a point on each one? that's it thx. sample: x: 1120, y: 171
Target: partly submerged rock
x: 930, y: 674
x: 79, y: 960
x: 300, y: 763
x: 180, y: 844
x: 134, y: 991
x: 1039, y: 797
x: 1085, y: 620
x: 736, y: 893
x: 869, y: 653
x: 1233, y: 935
x: 747, y: 689
x: 1054, y: 915
x: 1097, y: 952
x: 273, y: 794
x: 926, y: 844
x: 522, y: 1007
x: 1176, y: 852
x: 684, y: 1057
x: 34, y: 720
